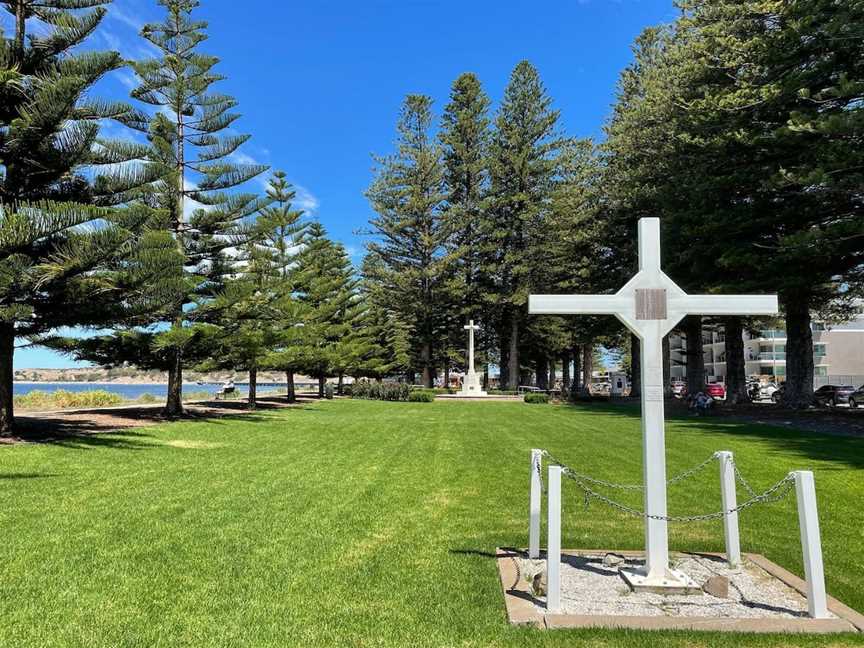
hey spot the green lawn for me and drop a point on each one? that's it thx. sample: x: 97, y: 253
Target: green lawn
x: 352, y: 523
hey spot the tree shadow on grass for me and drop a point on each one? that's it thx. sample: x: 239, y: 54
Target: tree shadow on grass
x: 114, y: 427
x: 14, y: 476
x: 847, y: 449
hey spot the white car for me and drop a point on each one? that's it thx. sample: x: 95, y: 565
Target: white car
x: 767, y: 391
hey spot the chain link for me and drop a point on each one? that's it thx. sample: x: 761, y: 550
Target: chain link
x: 775, y: 493
x: 741, y: 480
x: 696, y: 469
x: 540, y: 473
x: 632, y: 487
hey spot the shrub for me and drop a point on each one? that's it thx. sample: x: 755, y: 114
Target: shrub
x: 422, y: 396
x: 328, y: 391
x: 146, y: 399
x: 536, y: 398
x: 503, y: 392
x: 62, y: 399
x: 369, y: 390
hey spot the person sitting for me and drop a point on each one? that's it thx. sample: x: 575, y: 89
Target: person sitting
x: 228, y: 389
x: 703, y: 403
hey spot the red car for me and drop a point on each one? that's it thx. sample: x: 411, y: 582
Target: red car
x: 717, y: 391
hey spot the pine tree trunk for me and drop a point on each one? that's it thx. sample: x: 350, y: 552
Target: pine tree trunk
x: 253, y: 388
x: 7, y: 403
x: 513, y: 355
x: 174, y: 404
x: 576, y: 354
x: 695, y: 354
x: 426, y: 359
x: 667, y: 368
x: 565, y: 371
x: 504, y: 361
x: 587, y: 367
x: 20, y: 29
x: 542, y: 372
x: 446, y: 376
x: 635, y: 367
x: 341, y: 385
x: 799, y: 352
x: 290, y: 390
x: 736, y: 372
x: 321, y: 381
x: 552, y: 373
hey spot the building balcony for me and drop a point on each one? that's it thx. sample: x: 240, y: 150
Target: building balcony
x: 776, y: 355
x: 772, y: 334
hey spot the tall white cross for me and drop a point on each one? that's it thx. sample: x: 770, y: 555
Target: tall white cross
x: 471, y: 327
x: 471, y: 385
x: 650, y: 305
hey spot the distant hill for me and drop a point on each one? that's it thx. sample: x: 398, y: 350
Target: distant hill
x: 130, y: 376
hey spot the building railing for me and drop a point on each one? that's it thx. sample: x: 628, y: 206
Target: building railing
x: 773, y: 334
x: 776, y: 355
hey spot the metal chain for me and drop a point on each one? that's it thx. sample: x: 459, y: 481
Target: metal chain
x: 540, y: 474
x: 776, y: 493
x: 741, y: 479
x: 599, y: 482
x: 689, y: 473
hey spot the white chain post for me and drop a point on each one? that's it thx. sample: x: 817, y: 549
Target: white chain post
x: 553, y: 548
x: 535, y: 504
x: 811, y: 544
x: 730, y: 502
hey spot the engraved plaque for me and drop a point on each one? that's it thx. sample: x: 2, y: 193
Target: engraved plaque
x: 650, y: 303
x: 653, y: 393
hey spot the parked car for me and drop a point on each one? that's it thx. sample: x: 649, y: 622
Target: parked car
x: 717, y: 391
x: 856, y: 398
x: 767, y: 390
x: 831, y: 395
x: 777, y: 396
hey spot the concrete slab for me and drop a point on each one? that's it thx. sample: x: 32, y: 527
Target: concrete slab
x: 522, y: 606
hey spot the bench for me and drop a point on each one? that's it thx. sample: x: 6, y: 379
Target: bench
x: 224, y: 392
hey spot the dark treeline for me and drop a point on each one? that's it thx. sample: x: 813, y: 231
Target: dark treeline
x: 740, y: 125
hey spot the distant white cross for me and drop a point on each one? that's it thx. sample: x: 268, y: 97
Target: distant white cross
x: 650, y: 305
x: 471, y: 327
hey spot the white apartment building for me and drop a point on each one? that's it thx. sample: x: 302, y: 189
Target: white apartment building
x: 838, y: 353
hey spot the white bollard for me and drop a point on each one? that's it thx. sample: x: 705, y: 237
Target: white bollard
x: 730, y: 501
x: 553, y: 548
x: 811, y: 544
x: 535, y: 504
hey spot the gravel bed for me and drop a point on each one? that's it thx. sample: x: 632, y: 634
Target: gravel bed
x: 588, y: 587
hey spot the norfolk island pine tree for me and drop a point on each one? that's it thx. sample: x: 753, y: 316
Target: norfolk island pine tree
x: 71, y: 252
x: 193, y: 182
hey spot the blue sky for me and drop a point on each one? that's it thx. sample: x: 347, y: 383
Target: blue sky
x: 320, y: 82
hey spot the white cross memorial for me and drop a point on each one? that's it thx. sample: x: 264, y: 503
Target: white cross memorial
x: 650, y: 305
x: 471, y: 383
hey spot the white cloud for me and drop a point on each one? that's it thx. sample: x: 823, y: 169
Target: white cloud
x: 116, y: 11
x: 128, y: 79
x: 305, y: 200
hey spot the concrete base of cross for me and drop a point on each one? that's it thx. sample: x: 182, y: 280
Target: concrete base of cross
x: 471, y: 385
x: 674, y: 582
